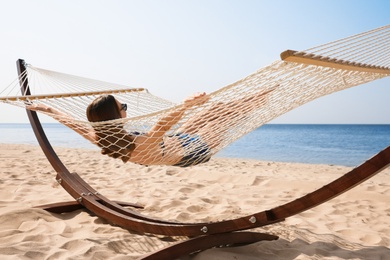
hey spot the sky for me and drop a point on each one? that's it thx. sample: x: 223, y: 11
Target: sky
x: 175, y: 47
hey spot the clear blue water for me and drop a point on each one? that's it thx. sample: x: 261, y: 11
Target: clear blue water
x: 347, y: 145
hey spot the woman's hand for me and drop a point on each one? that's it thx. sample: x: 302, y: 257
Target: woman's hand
x: 82, y: 129
x: 196, y: 99
x: 42, y: 108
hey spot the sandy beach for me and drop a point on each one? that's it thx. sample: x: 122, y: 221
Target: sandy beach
x: 355, y: 225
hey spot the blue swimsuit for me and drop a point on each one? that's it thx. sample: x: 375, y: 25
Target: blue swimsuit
x: 196, y: 151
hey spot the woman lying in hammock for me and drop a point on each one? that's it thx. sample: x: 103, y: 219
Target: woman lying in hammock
x: 154, y: 147
x: 151, y: 147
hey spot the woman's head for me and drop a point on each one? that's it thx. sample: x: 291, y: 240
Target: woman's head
x: 105, y: 108
x: 112, y: 138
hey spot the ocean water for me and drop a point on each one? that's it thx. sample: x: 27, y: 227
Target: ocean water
x: 347, y: 145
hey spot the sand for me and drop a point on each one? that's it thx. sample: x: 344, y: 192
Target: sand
x: 355, y: 225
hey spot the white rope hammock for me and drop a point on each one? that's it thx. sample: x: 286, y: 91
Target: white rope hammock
x: 229, y: 113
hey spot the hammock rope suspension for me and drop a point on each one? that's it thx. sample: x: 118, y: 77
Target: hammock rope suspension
x: 230, y: 112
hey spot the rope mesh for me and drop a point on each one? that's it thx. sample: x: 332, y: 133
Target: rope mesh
x: 157, y: 131
x: 371, y: 49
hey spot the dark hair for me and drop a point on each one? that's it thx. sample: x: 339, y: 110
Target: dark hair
x: 114, y: 140
x: 103, y: 108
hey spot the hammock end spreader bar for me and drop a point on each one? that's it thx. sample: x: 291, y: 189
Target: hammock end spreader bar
x: 65, y: 95
x: 317, y: 60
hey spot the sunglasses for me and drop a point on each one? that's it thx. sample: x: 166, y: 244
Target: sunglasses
x: 124, y: 107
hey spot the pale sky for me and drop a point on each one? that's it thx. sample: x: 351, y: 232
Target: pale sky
x: 177, y: 47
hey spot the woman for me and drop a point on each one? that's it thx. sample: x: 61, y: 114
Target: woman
x: 151, y: 147
x: 154, y: 147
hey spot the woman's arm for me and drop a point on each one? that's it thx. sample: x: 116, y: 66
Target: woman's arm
x: 64, y: 119
x: 165, y: 123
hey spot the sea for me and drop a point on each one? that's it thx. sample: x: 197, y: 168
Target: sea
x: 347, y: 145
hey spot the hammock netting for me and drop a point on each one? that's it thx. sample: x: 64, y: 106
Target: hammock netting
x: 230, y: 112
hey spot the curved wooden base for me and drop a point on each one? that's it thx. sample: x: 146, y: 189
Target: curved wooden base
x: 130, y: 219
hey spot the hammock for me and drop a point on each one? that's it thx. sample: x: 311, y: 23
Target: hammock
x: 230, y: 112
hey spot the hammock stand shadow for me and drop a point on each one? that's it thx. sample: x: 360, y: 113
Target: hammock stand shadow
x: 201, y: 235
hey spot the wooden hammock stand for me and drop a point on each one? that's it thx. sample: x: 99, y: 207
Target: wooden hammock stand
x: 201, y: 235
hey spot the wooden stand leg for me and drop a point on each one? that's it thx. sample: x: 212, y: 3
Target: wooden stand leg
x: 206, y: 242
x: 69, y: 206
